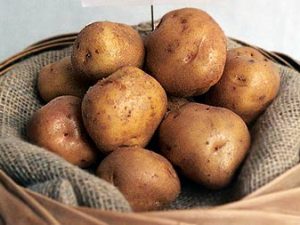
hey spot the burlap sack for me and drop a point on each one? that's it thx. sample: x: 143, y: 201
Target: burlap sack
x: 275, y: 146
x: 32, y: 166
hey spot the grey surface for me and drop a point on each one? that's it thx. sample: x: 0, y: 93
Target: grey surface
x: 272, y: 24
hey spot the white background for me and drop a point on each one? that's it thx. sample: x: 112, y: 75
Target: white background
x: 271, y: 24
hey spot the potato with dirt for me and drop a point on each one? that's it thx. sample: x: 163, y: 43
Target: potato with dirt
x: 58, y: 128
x: 146, y: 179
x: 187, y: 52
x: 245, y: 51
x: 175, y: 103
x: 124, y: 109
x: 102, y: 48
x: 207, y: 144
x: 59, y: 78
x: 248, y: 86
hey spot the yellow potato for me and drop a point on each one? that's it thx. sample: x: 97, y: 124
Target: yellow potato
x: 102, y: 48
x: 187, y: 52
x: 249, y: 84
x: 124, y: 109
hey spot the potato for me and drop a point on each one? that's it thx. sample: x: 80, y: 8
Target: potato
x: 124, y: 109
x: 206, y: 143
x: 187, y: 52
x: 175, y: 103
x: 245, y: 51
x: 249, y: 84
x: 102, y: 48
x: 58, y: 127
x: 59, y: 78
x: 147, y: 180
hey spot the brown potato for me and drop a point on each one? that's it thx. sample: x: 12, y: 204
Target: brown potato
x: 249, y: 84
x: 187, y: 52
x: 147, y: 180
x: 102, y: 48
x: 175, y: 103
x: 245, y: 51
x: 59, y: 78
x: 206, y: 143
x: 124, y: 109
x: 58, y: 127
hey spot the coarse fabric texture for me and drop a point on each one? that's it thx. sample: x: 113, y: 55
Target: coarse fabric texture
x: 32, y: 166
x: 59, y: 189
x: 275, y: 146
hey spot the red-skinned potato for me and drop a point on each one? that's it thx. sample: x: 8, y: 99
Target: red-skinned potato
x: 58, y: 128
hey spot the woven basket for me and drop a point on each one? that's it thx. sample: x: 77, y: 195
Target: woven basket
x: 274, y: 203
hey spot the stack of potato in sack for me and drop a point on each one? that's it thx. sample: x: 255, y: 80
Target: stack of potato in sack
x: 154, y: 115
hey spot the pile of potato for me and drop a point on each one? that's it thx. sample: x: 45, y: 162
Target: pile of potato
x: 104, y: 109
